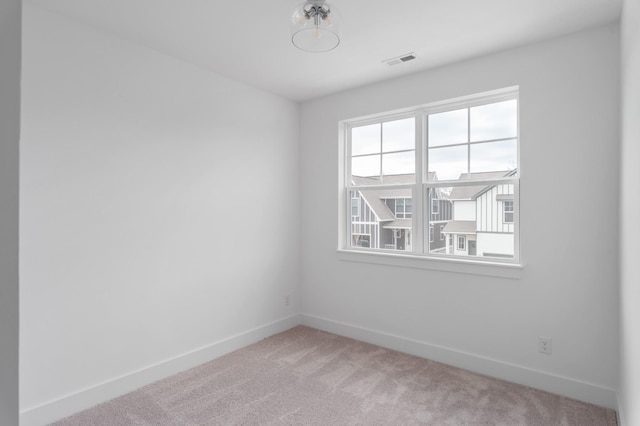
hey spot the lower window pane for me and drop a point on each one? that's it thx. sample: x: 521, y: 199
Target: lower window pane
x: 473, y: 220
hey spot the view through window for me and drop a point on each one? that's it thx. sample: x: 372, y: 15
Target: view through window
x: 438, y: 181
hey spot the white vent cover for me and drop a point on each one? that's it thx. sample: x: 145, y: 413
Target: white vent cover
x: 400, y: 59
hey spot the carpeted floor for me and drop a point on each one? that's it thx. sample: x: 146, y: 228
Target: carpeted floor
x: 308, y: 377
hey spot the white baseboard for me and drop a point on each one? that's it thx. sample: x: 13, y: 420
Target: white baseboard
x: 86, y: 398
x: 620, y: 411
x: 565, y: 386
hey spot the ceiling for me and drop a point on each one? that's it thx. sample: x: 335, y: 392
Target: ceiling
x: 249, y: 40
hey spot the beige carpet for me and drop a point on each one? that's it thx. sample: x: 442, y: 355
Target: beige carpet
x: 308, y: 377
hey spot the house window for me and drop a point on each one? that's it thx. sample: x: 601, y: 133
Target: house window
x: 448, y: 165
x: 508, y: 211
x: 355, y: 205
x: 435, y: 206
x: 462, y: 240
x: 402, y: 208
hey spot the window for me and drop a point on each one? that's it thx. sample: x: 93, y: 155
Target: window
x: 508, y: 212
x: 402, y: 208
x: 355, y: 205
x: 462, y: 242
x: 435, y: 206
x: 451, y: 167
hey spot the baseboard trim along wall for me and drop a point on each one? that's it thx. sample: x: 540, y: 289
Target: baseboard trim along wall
x: 565, y: 386
x: 620, y: 411
x: 86, y: 398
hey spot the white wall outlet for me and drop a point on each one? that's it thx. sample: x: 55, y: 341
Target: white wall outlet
x: 544, y: 345
x: 287, y: 300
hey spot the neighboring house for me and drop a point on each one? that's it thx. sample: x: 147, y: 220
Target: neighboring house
x: 382, y: 218
x: 473, y: 220
x: 483, y: 218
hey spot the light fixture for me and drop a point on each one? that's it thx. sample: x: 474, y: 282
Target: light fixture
x: 315, y: 26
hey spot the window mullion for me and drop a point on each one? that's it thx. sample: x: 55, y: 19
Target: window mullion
x: 381, y: 141
x: 468, y: 140
x: 346, y: 241
x: 417, y: 206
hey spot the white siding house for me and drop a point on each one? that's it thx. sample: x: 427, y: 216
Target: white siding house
x: 483, y: 218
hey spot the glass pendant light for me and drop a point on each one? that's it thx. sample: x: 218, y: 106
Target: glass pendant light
x: 315, y: 26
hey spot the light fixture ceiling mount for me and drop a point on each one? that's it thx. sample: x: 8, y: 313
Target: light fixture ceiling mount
x: 315, y: 26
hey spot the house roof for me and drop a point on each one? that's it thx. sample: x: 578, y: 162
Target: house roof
x: 398, y: 224
x: 471, y: 192
x: 372, y: 197
x: 387, y: 179
x: 375, y: 197
x: 504, y: 197
x: 460, y: 227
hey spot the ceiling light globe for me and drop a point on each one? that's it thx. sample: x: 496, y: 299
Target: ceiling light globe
x: 315, y: 27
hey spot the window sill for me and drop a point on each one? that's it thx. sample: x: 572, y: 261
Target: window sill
x: 460, y: 266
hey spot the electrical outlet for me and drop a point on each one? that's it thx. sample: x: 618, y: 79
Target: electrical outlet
x: 544, y: 345
x: 287, y: 300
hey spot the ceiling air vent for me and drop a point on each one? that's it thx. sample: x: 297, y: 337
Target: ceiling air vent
x: 400, y: 59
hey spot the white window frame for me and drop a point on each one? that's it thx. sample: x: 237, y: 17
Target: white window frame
x: 419, y: 253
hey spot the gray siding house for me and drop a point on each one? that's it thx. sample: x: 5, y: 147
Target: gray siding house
x: 382, y: 218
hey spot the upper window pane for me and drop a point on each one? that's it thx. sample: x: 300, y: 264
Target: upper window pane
x: 399, y: 135
x: 494, y: 121
x: 367, y: 166
x: 494, y: 156
x: 400, y: 163
x: 384, y: 153
x: 448, y: 163
x: 365, y: 139
x: 448, y: 128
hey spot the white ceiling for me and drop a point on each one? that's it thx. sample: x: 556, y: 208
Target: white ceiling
x: 249, y: 40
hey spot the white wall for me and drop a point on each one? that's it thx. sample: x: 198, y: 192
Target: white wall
x: 630, y: 213
x: 568, y: 288
x: 9, y: 147
x: 159, y: 214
